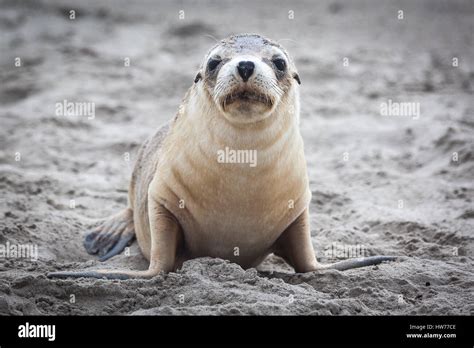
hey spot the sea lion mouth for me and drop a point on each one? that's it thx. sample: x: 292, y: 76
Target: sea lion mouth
x: 247, y: 97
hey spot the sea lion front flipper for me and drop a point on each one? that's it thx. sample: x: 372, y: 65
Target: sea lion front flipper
x: 111, y: 237
x: 165, y: 246
x: 358, y: 262
x: 294, y: 245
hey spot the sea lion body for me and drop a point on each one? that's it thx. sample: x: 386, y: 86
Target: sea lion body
x: 185, y: 201
x: 228, y: 210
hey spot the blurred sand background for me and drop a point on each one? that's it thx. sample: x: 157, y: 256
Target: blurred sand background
x: 355, y: 198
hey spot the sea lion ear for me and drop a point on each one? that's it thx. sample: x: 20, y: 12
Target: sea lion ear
x: 198, y: 77
x: 297, y: 78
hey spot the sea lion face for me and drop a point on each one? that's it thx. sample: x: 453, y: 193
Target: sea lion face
x: 247, y: 76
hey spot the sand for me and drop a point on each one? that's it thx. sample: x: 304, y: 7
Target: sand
x: 389, y: 184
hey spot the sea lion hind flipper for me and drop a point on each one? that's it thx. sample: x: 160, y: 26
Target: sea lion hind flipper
x: 111, y: 237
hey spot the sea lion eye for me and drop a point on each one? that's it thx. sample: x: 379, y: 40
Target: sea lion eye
x: 280, y: 64
x: 213, y: 63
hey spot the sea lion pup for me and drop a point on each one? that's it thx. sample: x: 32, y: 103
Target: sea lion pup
x: 195, y: 190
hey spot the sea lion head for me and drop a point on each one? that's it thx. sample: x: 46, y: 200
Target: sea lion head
x: 247, y: 76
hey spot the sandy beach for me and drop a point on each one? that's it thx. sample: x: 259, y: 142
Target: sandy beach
x: 381, y: 182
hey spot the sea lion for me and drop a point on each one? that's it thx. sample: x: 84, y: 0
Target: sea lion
x: 187, y: 200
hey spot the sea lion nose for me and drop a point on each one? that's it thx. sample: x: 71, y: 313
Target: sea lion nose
x: 245, y: 69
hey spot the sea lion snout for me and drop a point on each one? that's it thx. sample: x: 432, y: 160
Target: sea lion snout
x: 245, y: 69
x: 247, y: 89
